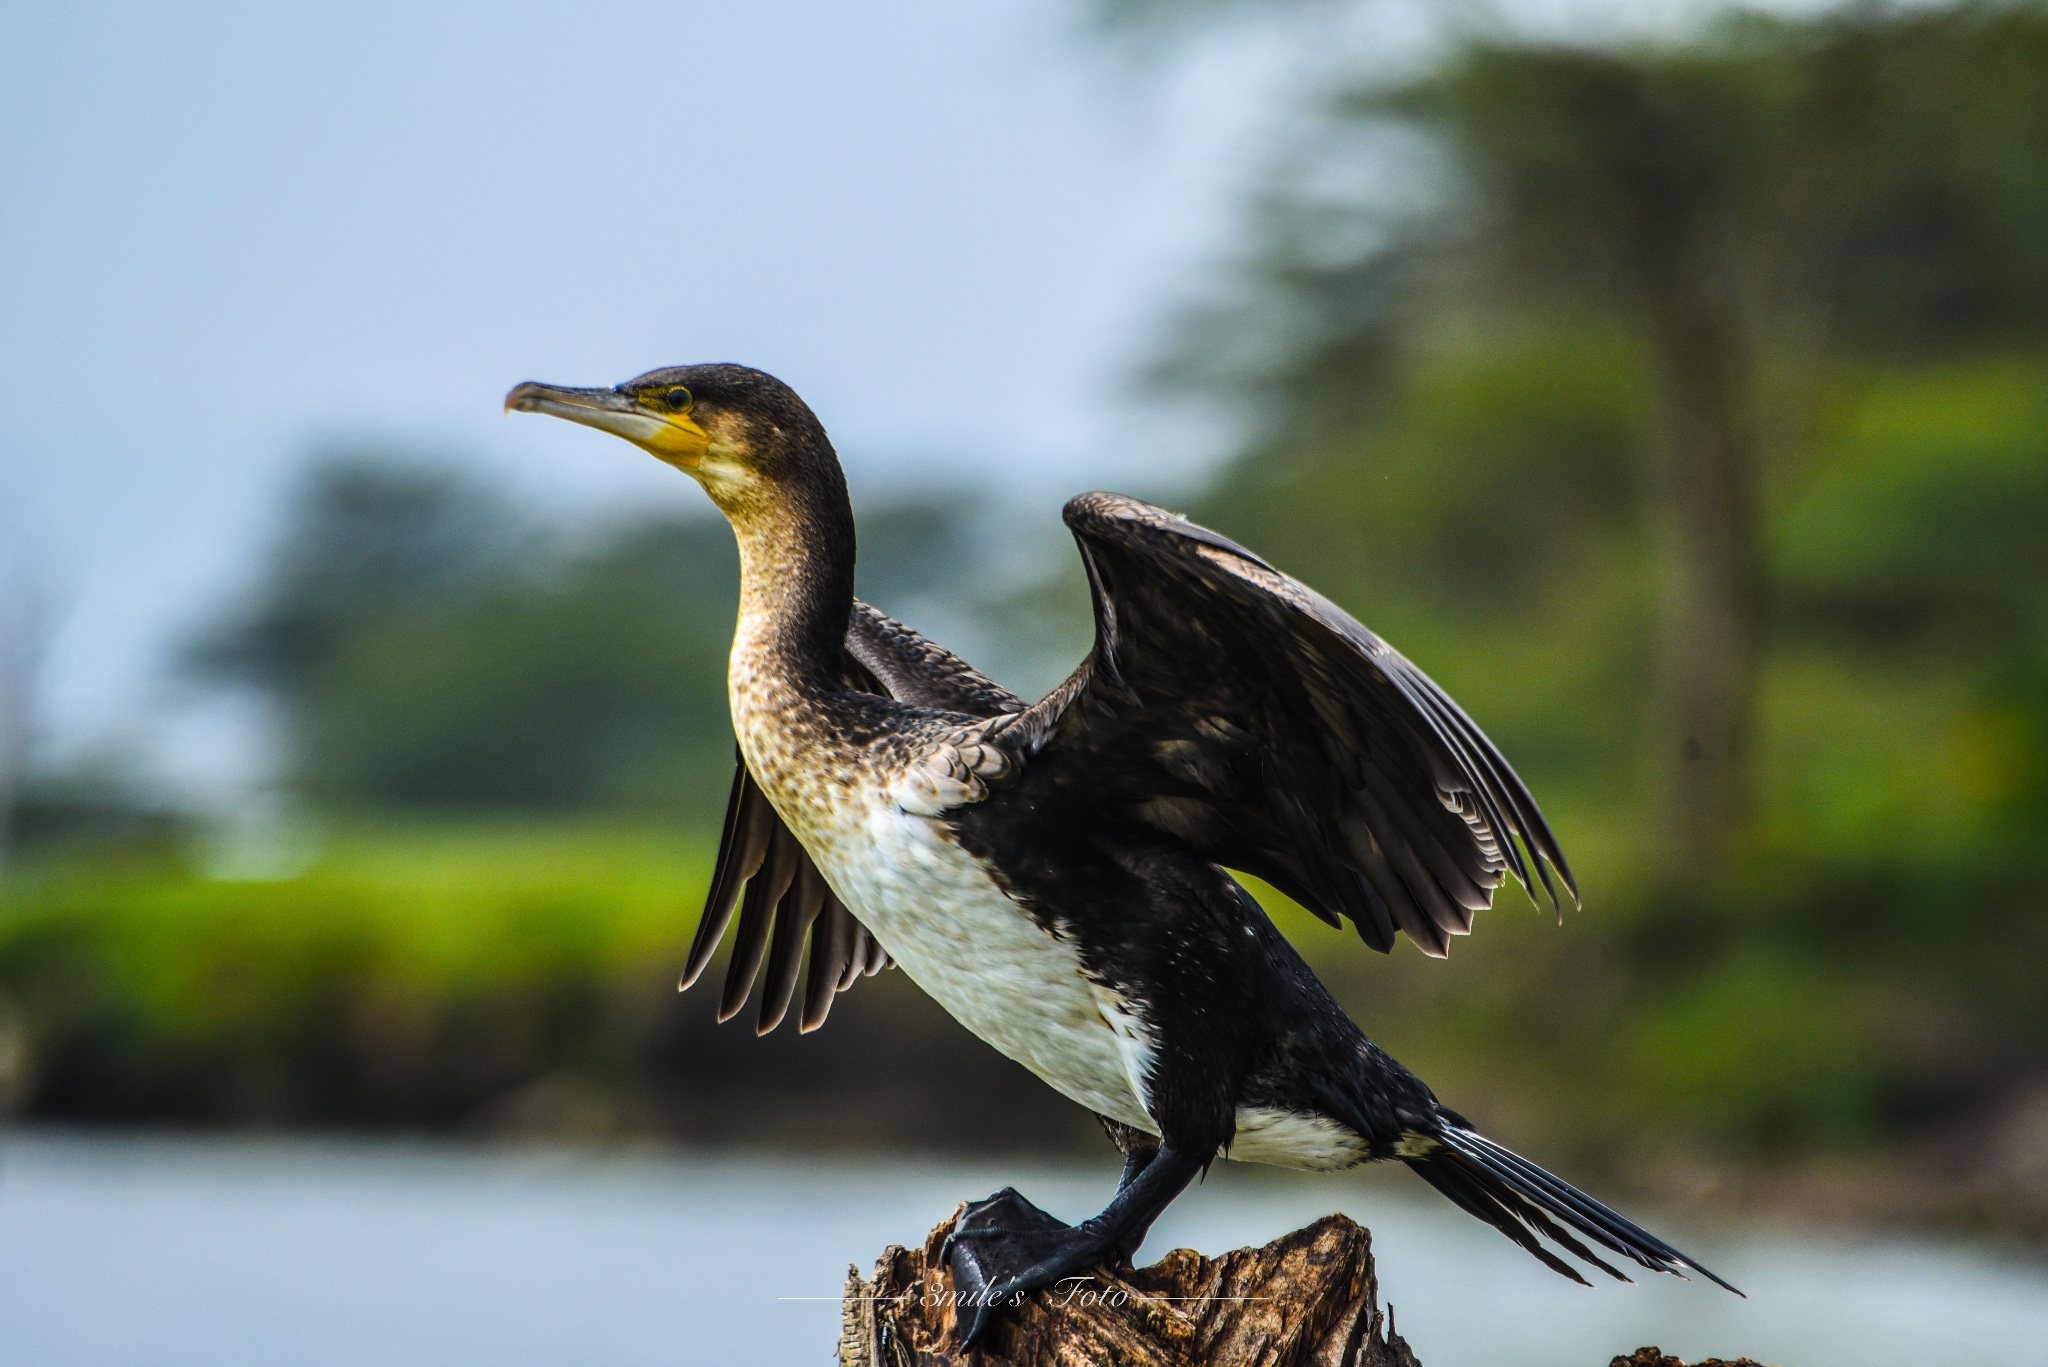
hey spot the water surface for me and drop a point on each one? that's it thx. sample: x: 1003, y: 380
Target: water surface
x: 157, y: 1252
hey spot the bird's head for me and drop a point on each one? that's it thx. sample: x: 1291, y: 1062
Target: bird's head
x: 743, y: 434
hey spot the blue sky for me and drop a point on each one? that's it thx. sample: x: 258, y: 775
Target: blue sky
x: 235, y: 232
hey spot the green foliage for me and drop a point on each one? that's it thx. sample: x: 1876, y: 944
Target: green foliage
x: 367, y: 537
x: 1878, y: 173
x: 430, y: 647
x: 1455, y: 401
x: 408, y: 978
x: 1758, y: 1046
x: 1919, y: 522
x: 1482, y: 518
x: 508, y: 976
x: 1879, y: 969
x: 603, y: 685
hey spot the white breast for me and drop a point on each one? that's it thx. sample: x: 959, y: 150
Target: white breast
x: 978, y: 954
x: 961, y: 939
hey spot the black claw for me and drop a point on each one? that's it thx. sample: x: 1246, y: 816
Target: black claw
x: 971, y: 1338
x: 1003, y: 1249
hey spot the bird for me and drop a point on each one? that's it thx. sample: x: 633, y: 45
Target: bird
x: 1057, y: 874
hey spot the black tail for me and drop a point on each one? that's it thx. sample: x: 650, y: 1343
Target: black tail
x: 1521, y: 1200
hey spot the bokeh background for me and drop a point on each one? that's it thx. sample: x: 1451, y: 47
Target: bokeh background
x: 1669, y: 382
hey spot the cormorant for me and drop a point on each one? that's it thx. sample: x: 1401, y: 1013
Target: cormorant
x: 1054, y: 873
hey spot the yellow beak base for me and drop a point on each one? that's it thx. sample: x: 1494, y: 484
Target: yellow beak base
x: 672, y: 437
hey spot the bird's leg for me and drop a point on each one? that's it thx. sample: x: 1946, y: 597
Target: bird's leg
x: 1005, y: 1248
x: 1137, y: 1147
x: 1135, y: 1162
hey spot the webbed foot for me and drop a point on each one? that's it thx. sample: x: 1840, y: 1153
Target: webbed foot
x: 1005, y: 1248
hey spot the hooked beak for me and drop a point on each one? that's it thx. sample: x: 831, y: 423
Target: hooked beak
x: 673, y: 437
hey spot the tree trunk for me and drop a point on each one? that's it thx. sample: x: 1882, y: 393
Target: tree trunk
x: 1308, y: 1299
x: 1711, y: 598
x: 1655, y: 1357
x: 1703, y: 501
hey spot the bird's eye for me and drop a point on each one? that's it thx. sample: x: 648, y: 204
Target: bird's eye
x: 678, y: 398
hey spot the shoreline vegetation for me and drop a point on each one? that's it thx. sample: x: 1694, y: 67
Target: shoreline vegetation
x: 516, y: 978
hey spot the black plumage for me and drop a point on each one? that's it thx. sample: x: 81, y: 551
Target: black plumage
x: 1056, y: 874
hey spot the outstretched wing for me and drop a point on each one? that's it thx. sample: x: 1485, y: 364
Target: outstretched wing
x: 764, y: 873
x: 1239, y: 712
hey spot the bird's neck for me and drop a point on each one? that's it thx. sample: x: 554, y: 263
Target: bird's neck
x: 796, y: 592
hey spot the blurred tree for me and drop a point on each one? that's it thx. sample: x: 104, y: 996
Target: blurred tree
x: 1698, y: 387
x: 24, y: 624
x: 429, y: 646
x: 366, y: 535
x: 1740, y: 207
x: 1869, y: 183
x: 600, y: 682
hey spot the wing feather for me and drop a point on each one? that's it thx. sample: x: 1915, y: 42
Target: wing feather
x: 1323, y: 760
x: 793, y: 920
x: 748, y: 821
x: 757, y: 920
x: 831, y: 953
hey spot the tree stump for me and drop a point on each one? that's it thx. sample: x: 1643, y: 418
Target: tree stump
x: 1308, y: 1299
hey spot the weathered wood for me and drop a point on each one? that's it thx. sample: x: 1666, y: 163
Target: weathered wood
x: 1308, y: 1299
x: 1654, y: 1357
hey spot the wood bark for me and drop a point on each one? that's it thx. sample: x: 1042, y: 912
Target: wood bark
x: 1655, y: 1357
x: 1308, y: 1299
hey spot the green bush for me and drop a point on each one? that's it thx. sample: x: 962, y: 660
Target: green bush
x: 407, y: 978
